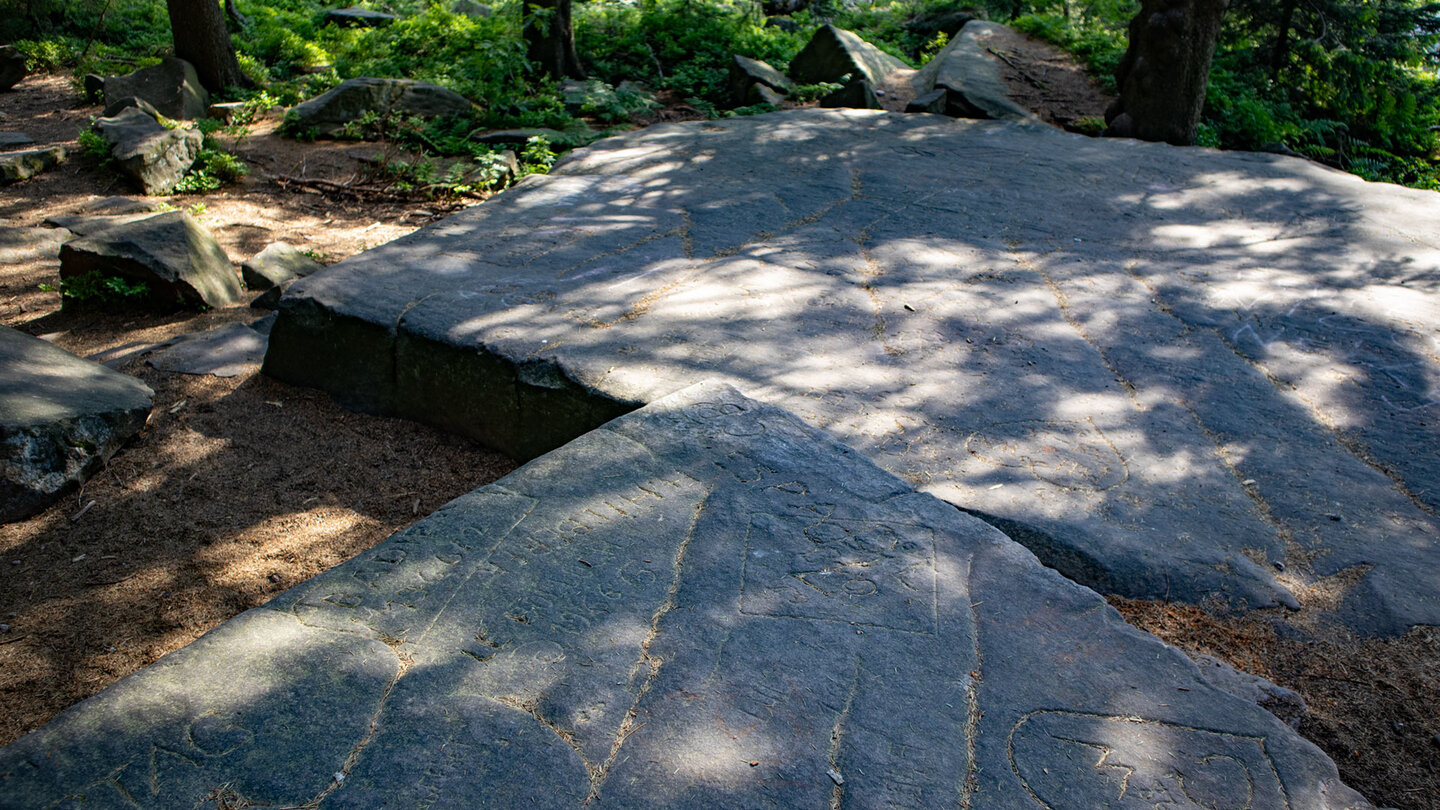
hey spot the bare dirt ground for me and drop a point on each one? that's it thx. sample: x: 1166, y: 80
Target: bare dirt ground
x: 239, y: 488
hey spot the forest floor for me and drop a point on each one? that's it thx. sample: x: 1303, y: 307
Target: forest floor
x: 200, y: 517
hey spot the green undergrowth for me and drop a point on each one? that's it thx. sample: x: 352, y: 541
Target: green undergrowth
x: 1348, y: 82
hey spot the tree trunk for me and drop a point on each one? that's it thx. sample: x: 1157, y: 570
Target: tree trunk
x: 198, y: 28
x: 550, y: 38
x: 1163, y: 75
x: 1282, y: 40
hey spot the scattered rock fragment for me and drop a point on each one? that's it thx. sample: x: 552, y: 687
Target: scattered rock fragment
x: 172, y: 86
x: 327, y: 114
x: 12, y: 66
x: 154, y: 157
x: 275, y: 265
x: 856, y: 94
x: 17, y: 166
x: 356, y: 17
x: 225, y: 351
x: 518, y: 136
x: 8, y: 139
x: 934, y: 101
x: 178, y: 261
x: 60, y: 419
x: 747, y: 73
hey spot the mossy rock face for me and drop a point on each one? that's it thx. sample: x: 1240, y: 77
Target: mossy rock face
x: 60, y: 419
x: 17, y: 166
x: 172, y: 87
x: 329, y: 113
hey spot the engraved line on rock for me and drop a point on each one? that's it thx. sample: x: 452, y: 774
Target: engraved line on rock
x: 645, y: 661
x: 837, y: 733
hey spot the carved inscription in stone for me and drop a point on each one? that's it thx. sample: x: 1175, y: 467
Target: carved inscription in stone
x: 856, y: 571
x: 1073, y: 761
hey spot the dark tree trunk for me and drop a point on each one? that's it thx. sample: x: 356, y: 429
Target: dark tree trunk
x: 1163, y: 75
x: 550, y: 38
x: 1282, y: 40
x: 198, y: 27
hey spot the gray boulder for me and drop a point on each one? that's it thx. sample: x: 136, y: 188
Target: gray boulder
x: 834, y: 53
x: 327, y: 114
x: 857, y: 94
x: 934, y: 101
x: 172, y: 254
x: 356, y: 17
x: 8, y: 139
x: 12, y: 66
x: 94, y: 224
x: 172, y: 86
x: 60, y: 419
x: 746, y: 73
x: 517, y: 136
x: 148, y: 153
x: 27, y: 244
x: 93, y: 86
x: 275, y: 265
x: 17, y: 166
x: 971, y: 76
x: 472, y: 9
x: 121, y: 104
x: 228, y: 350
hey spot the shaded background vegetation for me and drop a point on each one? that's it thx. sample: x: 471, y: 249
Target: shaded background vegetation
x: 1348, y: 82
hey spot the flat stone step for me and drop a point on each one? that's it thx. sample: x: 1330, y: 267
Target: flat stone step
x: 1170, y: 372
x: 705, y: 603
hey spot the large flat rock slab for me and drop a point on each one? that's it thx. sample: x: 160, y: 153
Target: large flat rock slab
x: 1171, y: 372
x: 704, y: 604
x: 61, y: 417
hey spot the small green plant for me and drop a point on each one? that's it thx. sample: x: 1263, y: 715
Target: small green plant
x: 94, y: 145
x: 197, y: 210
x: 211, y: 170
x: 813, y: 92
x: 96, y: 287
x: 537, y: 157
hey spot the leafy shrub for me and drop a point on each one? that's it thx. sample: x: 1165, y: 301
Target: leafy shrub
x: 96, y: 287
x: 212, y: 170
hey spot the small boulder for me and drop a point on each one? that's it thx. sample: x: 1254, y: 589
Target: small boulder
x: 834, y: 53
x: 154, y: 157
x: 275, y: 265
x: 934, y: 101
x: 172, y: 86
x: 1285, y: 704
x: 356, y: 17
x: 328, y: 113
x: 472, y: 9
x: 178, y: 261
x: 857, y: 93
x: 517, y: 136
x: 27, y: 244
x: 228, y: 350
x: 9, y: 139
x: 61, y: 418
x: 746, y: 73
x: 970, y: 74
x: 17, y: 166
x: 12, y: 66
x: 760, y: 94
x: 93, y: 86
x: 949, y: 22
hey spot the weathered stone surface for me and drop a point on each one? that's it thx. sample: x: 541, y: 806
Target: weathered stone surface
x: 1286, y: 704
x: 121, y: 104
x: 356, y: 17
x: 276, y: 264
x: 171, y: 253
x: 225, y: 351
x: 746, y: 73
x: 12, y: 66
x: 8, y: 139
x: 19, y: 244
x: 834, y: 53
x: 760, y: 94
x: 328, y: 113
x: 934, y: 101
x: 23, y: 165
x: 154, y: 157
x: 93, y: 86
x: 971, y: 74
x: 1163, y: 369
x: 171, y: 86
x: 60, y: 419
x: 705, y: 604
x: 92, y: 224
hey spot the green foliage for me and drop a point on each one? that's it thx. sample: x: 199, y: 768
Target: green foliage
x: 95, y: 287
x: 211, y: 171
x: 537, y: 157
x: 1098, y: 42
x: 813, y: 92
x: 94, y: 145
